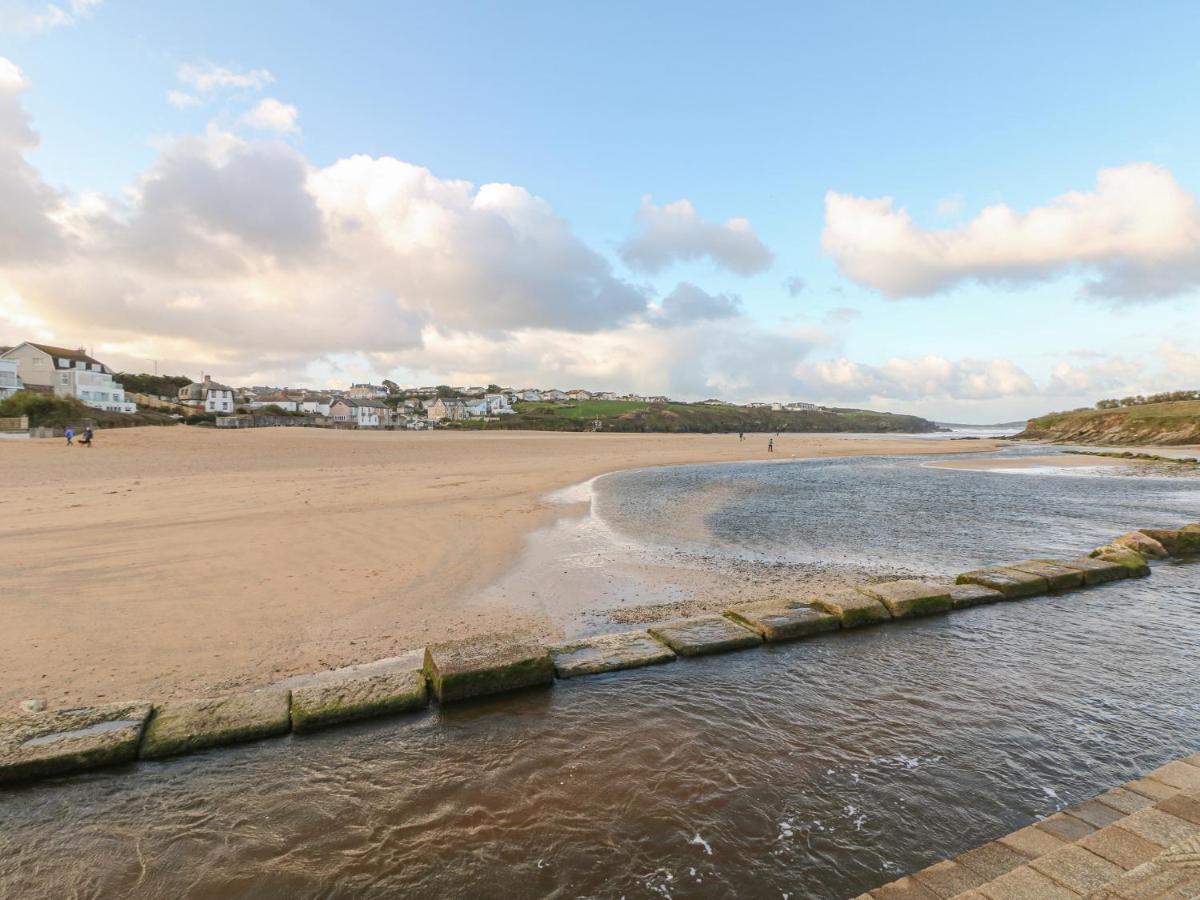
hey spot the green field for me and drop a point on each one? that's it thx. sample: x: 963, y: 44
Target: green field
x: 584, y: 409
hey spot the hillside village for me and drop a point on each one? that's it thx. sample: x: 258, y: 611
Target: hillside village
x: 76, y: 374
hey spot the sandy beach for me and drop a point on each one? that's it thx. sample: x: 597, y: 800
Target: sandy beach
x: 184, y: 562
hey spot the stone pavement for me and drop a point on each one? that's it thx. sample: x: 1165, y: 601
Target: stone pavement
x: 1140, y: 840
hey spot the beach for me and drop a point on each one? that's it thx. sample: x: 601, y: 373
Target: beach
x: 176, y: 562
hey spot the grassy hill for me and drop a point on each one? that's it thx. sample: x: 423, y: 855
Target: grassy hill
x: 630, y: 416
x: 1176, y: 422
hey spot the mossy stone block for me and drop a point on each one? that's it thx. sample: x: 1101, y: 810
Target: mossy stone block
x: 852, y: 606
x: 784, y: 620
x: 1133, y: 562
x: 185, y: 726
x: 1095, y: 571
x: 609, y: 653
x: 1142, y: 543
x: 910, y: 597
x: 705, y: 634
x: 964, y: 595
x: 1180, y: 542
x: 488, y: 664
x: 70, y: 740
x: 1058, y: 577
x: 1012, y: 583
x: 329, y: 702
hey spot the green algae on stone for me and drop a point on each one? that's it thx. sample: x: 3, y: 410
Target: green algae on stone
x: 1142, y: 543
x: 609, y: 653
x: 70, y: 740
x: 346, y: 699
x: 1133, y: 562
x: 1013, y: 584
x: 1058, y: 577
x: 185, y: 726
x: 852, y: 606
x: 784, y: 620
x: 705, y: 634
x: 910, y: 597
x: 488, y: 664
x: 1095, y: 571
x: 965, y: 595
x: 1180, y: 542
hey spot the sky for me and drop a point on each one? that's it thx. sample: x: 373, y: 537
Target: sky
x: 972, y: 212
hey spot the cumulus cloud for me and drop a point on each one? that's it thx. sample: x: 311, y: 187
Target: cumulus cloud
x: 917, y: 378
x: 1092, y: 379
x: 26, y: 18
x: 272, y: 115
x: 794, y: 285
x: 208, y: 77
x: 677, y: 232
x: 182, y: 99
x: 688, y: 303
x: 1136, y: 234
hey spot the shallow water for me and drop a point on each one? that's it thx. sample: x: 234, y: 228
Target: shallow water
x: 816, y: 769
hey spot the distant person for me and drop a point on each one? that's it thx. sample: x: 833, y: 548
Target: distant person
x: 741, y: 436
x: 70, y: 433
x: 86, y: 440
x: 770, y: 445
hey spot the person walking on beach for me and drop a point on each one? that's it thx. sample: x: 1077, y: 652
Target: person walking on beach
x: 70, y: 433
x: 86, y: 440
x: 770, y: 445
x: 741, y: 436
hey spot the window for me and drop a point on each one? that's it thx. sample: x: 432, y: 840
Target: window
x: 64, y: 378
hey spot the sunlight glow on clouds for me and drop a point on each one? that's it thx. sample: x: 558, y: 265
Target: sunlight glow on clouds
x: 677, y: 232
x: 272, y: 115
x: 27, y: 18
x: 1137, y: 234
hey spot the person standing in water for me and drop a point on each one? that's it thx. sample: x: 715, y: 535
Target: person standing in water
x: 70, y: 435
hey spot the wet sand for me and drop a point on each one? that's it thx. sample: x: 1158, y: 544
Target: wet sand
x: 172, y: 562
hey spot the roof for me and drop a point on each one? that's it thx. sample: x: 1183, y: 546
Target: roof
x: 65, y: 353
x: 362, y: 402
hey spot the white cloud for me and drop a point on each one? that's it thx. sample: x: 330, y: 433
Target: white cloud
x: 182, y: 99
x: 272, y: 115
x: 1137, y: 234
x: 27, y: 18
x: 1092, y: 380
x: 209, y: 77
x: 918, y: 378
x: 677, y: 232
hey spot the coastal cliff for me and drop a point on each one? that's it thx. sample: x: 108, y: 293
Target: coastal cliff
x: 1176, y: 422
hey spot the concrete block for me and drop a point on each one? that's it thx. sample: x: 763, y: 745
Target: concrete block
x: 991, y: 860
x: 1066, y: 827
x: 1077, y: 868
x: 1185, y: 805
x: 1058, y: 578
x: 1148, y: 787
x: 948, y: 878
x: 1134, y: 563
x: 852, y: 606
x: 705, y: 634
x: 1095, y: 571
x: 1159, y: 827
x: 1120, y: 847
x: 71, y: 740
x: 1032, y: 841
x: 608, y: 653
x: 1009, y: 582
x: 784, y: 620
x: 964, y: 595
x: 1178, y: 775
x: 330, y: 701
x: 1024, y: 883
x: 909, y: 597
x: 1094, y: 813
x: 1180, y: 542
x: 1124, y: 801
x: 488, y: 664
x: 906, y: 888
x: 185, y: 726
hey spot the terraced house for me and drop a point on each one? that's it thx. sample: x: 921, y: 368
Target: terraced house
x: 69, y: 373
x: 207, y: 396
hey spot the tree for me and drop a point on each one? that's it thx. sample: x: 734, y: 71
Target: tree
x: 392, y: 387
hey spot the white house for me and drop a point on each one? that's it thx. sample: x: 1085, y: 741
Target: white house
x: 208, y: 396
x: 579, y: 395
x: 498, y: 405
x: 10, y: 381
x: 315, y: 404
x: 554, y: 395
x: 476, y: 407
x: 530, y: 395
x: 361, y: 412
x: 69, y: 373
x: 283, y: 401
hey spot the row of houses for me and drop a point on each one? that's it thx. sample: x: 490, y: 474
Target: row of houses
x: 63, y: 372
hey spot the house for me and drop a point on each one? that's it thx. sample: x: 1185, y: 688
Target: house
x: 368, y: 391
x: 208, y: 396
x: 316, y: 404
x: 476, y: 407
x: 69, y: 373
x: 446, y: 409
x: 529, y: 395
x: 10, y: 381
x: 498, y: 404
x: 578, y: 395
x: 280, y: 399
x: 554, y: 396
x: 798, y: 406
x: 361, y: 412
x: 605, y: 395
x: 714, y: 402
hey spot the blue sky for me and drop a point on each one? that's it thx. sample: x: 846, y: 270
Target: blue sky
x: 746, y: 113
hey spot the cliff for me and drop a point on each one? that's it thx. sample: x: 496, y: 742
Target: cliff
x: 1176, y: 422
